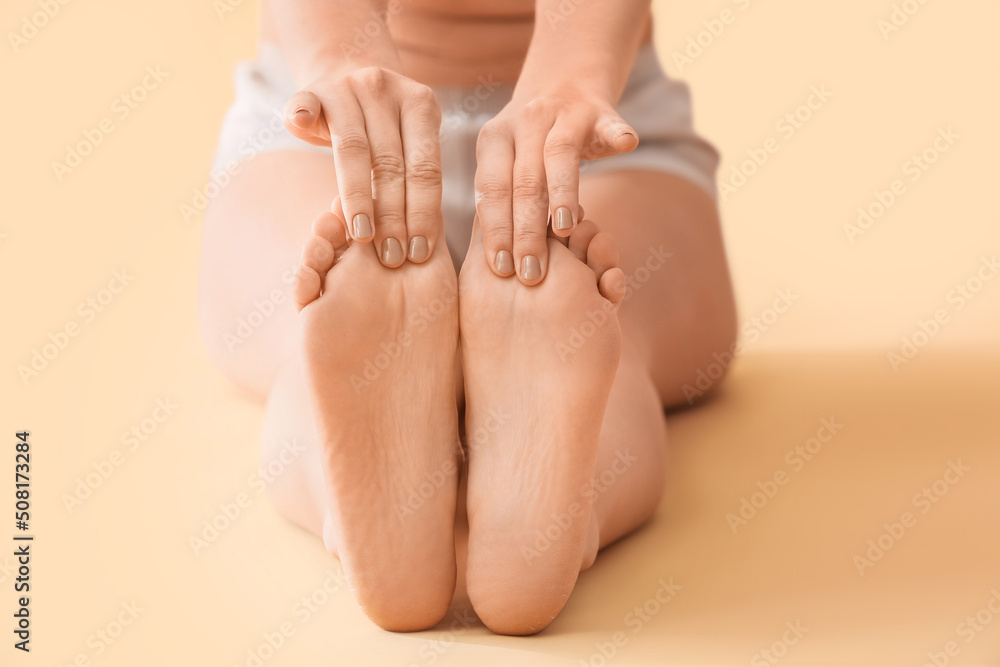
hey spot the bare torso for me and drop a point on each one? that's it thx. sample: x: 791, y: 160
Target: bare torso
x: 455, y: 42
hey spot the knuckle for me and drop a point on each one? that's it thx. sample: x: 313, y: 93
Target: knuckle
x: 528, y: 187
x: 493, y: 191
x: 496, y: 236
x: 371, y: 79
x: 351, y: 141
x: 424, y: 172
x: 389, y: 218
x: 387, y: 166
x: 537, y: 109
x: 356, y: 195
x: 562, y: 147
x: 527, y: 236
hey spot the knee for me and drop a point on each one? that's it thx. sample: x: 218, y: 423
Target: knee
x: 712, y: 350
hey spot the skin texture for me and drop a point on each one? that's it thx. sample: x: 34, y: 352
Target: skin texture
x: 538, y: 423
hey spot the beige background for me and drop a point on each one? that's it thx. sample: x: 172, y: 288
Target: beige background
x: 62, y: 241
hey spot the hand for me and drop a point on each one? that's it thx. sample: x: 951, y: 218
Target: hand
x: 384, y: 130
x: 528, y: 172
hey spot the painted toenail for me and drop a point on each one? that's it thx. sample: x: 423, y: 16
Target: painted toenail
x: 418, y: 249
x: 505, y: 263
x: 530, y: 269
x: 392, y: 252
x: 362, y: 226
x: 564, y: 219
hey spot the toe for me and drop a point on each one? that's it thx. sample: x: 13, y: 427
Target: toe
x: 582, y: 236
x: 602, y: 253
x: 612, y: 286
x: 307, y: 284
x: 318, y: 255
x: 328, y: 225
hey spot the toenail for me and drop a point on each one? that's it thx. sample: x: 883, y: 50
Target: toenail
x: 392, y: 252
x: 418, y: 249
x: 564, y: 219
x: 362, y: 226
x: 505, y: 263
x: 530, y: 269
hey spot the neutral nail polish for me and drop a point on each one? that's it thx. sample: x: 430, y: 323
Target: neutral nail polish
x: 564, y: 219
x: 392, y: 252
x: 362, y: 226
x: 505, y: 263
x: 418, y: 249
x: 530, y: 268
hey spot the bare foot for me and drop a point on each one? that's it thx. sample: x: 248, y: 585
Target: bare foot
x: 538, y: 363
x: 380, y: 352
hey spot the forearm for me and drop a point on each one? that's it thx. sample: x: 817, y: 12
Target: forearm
x: 591, y: 43
x: 319, y: 37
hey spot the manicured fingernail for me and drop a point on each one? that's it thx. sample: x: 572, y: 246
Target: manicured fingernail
x: 392, y: 252
x: 505, y: 263
x: 564, y: 219
x: 418, y: 249
x: 530, y: 268
x: 362, y: 226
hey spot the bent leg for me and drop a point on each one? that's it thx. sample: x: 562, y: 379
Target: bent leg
x: 678, y: 311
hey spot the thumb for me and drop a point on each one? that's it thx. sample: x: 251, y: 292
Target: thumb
x: 305, y: 119
x: 612, y: 135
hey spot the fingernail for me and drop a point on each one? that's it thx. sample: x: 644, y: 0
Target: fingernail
x: 564, y: 219
x: 505, y: 263
x: 530, y: 268
x: 362, y: 226
x: 392, y: 252
x: 418, y: 249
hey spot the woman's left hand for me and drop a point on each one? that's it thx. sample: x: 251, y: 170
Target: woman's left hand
x: 528, y: 172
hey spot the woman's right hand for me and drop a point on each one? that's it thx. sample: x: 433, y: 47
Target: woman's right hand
x: 384, y: 130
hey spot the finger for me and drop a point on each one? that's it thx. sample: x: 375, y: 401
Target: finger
x: 611, y: 136
x: 530, y: 203
x: 387, y: 180
x: 305, y: 119
x: 495, y: 164
x: 562, y: 175
x: 420, y: 122
x: 352, y: 160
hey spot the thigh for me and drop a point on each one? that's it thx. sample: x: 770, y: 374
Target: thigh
x: 679, y: 307
x: 253, y: 238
